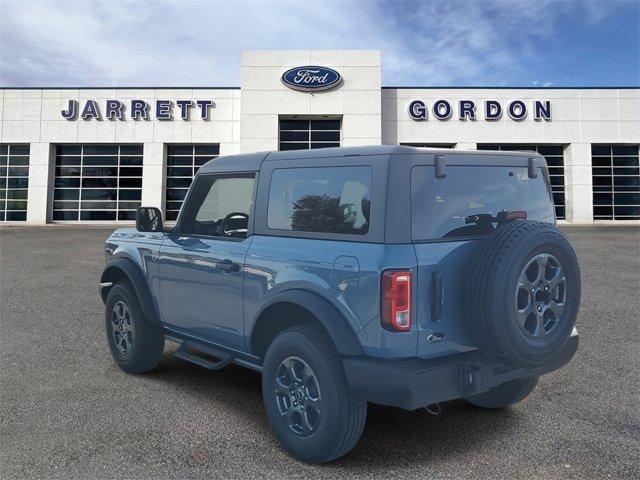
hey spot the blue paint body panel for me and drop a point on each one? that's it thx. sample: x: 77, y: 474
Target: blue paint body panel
x: 195, y: 296
x: 452, y: 260
x: 276, y: 264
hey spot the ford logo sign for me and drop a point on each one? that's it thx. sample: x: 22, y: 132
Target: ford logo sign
x: 311, y: 78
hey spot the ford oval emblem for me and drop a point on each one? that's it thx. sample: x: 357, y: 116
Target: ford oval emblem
x: 311, y: 78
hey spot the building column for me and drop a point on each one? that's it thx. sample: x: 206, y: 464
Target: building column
x: 41, y: 178
x: 466, y: 146
x: 578, y: 183
x: 153, y: 175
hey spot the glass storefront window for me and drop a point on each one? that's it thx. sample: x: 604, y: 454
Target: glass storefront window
x: 616, y: 182
x: 97, y: 182
x: 14, y: 182
x: 306, y: 134
x: 183, y: 162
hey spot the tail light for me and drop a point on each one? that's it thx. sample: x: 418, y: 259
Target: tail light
x: 396, y: 300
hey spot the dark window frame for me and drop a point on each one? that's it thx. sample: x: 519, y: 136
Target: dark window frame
x: 99, y: 159
x: 451, y: 168
x: 332, y: 169
x: 309, y: 129
x: 194, y: 156
x: 14, y: 178
x: 380, y: 166
x: 178, y: 230
x: 603, y: 168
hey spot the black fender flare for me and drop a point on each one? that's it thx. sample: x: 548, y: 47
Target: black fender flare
x: 341, y: 333
x: 121, y: 267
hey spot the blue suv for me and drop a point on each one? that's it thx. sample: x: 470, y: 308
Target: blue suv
x: 392, y: 275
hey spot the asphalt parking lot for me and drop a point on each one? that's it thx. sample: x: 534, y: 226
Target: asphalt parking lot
x: 68, y: 412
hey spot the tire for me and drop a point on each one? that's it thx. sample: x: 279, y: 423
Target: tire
x: 525, y: 320
x: 335, y: 428
x: 139, y: 349
x: 504, y: 395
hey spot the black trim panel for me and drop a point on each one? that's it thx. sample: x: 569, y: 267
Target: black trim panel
x: 341, y: 333
x: 415, y: 383
x: 135, y: 276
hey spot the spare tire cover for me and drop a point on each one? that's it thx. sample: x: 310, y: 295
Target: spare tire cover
x: 524, y: 292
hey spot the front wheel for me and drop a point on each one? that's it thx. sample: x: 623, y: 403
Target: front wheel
x: 504, y: 395
x: 136, y: 344
x: 309, y: 406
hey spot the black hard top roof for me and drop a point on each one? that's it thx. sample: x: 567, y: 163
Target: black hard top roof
x: 247, y: 162
x: 250, y: 162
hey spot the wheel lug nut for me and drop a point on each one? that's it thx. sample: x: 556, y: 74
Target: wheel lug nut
x: 295, y: 404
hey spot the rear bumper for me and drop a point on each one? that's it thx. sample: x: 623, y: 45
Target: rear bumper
x: 414, y: 383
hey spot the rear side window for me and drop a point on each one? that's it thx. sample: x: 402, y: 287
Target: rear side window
x: 320, y: 199
x: 468, y: 201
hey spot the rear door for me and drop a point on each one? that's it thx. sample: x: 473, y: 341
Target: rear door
x: 201, y: 265
x: 450, y: 215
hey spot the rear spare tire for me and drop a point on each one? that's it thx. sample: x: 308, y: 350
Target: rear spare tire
x: 524, y: 292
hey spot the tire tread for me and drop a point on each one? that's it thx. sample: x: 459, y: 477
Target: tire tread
x: 352, y: 410
x: 354, y: 415
x: 149, y: 340
x: 487, y: 277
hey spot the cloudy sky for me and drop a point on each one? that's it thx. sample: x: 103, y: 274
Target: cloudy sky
x: 428, y: 43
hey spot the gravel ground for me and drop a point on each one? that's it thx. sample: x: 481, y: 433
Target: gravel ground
x: 68, y: 412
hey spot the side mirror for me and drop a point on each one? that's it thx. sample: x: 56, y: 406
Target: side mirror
x: 149, y: 219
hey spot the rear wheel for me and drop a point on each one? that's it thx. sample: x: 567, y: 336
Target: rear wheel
x: 504, y: 395
x: 136, y: 344
x: 309, y: 406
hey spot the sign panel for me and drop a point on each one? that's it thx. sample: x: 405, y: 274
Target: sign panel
x: 136, y: 109
x: 311, y: 78
x: 516, y: 109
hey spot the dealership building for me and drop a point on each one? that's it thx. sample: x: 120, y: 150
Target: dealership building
x: 93, y: 155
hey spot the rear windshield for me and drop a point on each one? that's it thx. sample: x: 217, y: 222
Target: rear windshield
x: 468, y: 202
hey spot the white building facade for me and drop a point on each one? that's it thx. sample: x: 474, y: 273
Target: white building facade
x: 95, y: 155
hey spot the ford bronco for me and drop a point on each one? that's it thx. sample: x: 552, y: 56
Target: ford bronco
x: 392, y: 275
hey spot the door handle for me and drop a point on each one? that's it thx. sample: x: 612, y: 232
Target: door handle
x: 436, y: 296
x: 228, y: 266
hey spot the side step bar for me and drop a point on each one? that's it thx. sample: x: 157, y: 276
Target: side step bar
x: 192, y: 356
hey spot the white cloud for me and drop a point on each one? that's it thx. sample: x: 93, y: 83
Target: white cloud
x: 198, y: 43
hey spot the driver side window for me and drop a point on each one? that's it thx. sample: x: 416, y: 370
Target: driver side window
x: 219, y: 206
